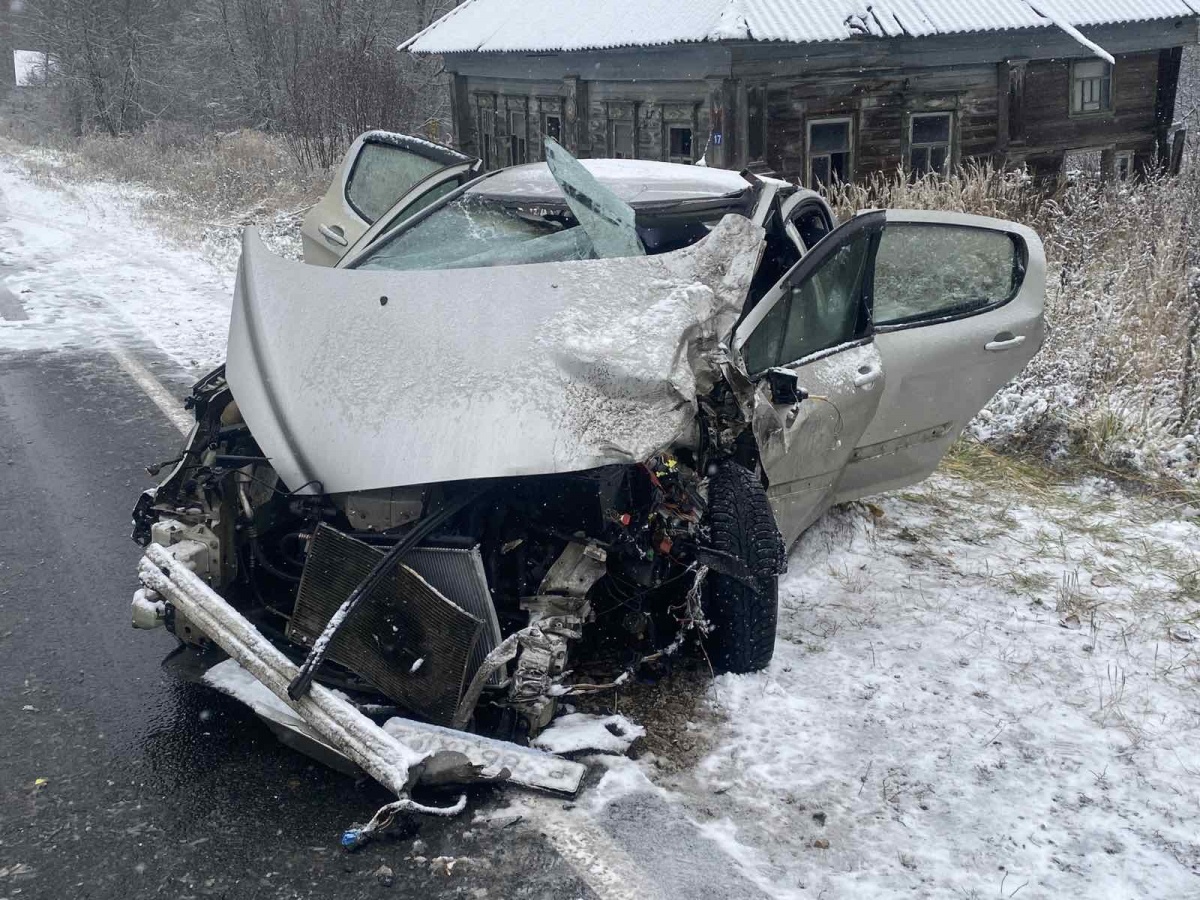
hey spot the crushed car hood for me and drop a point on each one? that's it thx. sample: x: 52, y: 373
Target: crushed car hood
x: 352, y: 380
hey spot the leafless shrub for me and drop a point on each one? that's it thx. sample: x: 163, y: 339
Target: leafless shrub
x: 317, y: 71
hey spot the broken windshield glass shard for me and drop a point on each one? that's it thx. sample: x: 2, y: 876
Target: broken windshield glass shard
x: 608, y: 220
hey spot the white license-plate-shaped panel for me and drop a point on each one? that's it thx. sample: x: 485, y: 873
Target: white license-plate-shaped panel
x: 528, y: 767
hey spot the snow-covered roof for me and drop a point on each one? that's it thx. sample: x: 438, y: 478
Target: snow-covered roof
x: 548, y: 25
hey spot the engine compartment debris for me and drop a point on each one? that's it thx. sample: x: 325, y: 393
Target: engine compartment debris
x: 412, y: 598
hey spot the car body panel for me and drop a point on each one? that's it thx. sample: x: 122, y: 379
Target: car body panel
x: 396, y: 164
x: 821, y: 434
x: 940, y: 373
x: 906, y: 393
x: 441, y: 382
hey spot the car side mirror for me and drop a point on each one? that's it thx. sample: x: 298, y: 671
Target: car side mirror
x: 784, y: 385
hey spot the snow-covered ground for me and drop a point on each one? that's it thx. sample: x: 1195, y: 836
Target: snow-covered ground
x: 975, y: 691
x: 81, y: 267
x: 978, y: 690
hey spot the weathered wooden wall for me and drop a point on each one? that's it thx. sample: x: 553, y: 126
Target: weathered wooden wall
x: 879, y: 105
x: 1006, y: 105
x: 1050, y: 130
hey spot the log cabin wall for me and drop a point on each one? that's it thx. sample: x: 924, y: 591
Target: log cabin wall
x: 612, y: 118
x: 880, y: 107
x: 1005, y: 96
x: 1051, y: 129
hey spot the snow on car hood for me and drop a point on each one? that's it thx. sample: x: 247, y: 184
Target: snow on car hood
x: 368, y: 379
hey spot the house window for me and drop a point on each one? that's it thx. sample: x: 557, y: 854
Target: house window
x: 1091, y: 86
x: 928, y: 143
x: 756, y: 121
x: 1123, y: 163
x: 518, y: 138
x: 830, y: 151
x: 620, y: 139
x: 487, y: 136
x: 552, y: 127
x: 679, y: 144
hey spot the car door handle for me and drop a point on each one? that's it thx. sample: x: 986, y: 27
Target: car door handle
x: 333, y: 233
x: 1005, y: 341
x: 867, y: 376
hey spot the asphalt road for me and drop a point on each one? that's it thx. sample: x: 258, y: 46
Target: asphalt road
x: 118, y: 779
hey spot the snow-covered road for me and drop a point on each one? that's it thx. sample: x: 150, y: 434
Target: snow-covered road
x: 80, y: 268
x: 978, y: 690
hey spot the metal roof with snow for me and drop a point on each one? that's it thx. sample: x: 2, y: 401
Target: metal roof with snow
x: 531, y: 26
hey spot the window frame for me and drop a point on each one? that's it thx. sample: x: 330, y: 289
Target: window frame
x: 870, y: 222
x: 613, y: 125
x: 453, y: 158
x: 487, y: 136
x: 751, y: 90
x: 808, y: 152
x: 912, y: 144
x: 950, y: 314
x: 518, y: 141
x: 1106, y: 77
x: 681, y: 159
x: 546, y: 117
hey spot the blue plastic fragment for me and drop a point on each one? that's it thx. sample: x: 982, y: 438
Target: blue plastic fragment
x: 353, y: 839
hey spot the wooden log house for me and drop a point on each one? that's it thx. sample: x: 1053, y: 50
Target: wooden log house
x: 818, y: 89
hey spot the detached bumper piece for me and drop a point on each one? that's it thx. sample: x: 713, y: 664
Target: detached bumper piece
x: 397, y: 764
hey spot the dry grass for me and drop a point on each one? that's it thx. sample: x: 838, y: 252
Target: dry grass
x: 196, y: 183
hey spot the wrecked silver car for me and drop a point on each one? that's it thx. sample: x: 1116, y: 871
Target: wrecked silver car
x: 565, y: 398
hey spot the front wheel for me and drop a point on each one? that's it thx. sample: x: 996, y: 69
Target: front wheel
x: 742, y: 609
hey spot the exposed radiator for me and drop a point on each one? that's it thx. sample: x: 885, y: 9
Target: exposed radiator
x: 459, y: 575
x: 406, y: 619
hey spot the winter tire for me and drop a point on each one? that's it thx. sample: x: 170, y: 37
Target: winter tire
x: 742, y: 610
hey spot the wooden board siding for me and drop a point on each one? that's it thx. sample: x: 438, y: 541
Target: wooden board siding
x: 1050, y: 129
x: 534, y: 98
x: 879, y: 104
x: 651, y: 106
x: 878, y: 84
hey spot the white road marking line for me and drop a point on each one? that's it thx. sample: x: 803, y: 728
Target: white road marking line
x: 603, y: 866
x: 153, y: 388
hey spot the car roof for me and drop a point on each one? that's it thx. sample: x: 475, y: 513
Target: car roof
x: 638, y: 182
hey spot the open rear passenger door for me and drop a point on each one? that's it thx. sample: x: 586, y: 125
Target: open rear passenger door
x: 379, y: 170
x: 957, y: 306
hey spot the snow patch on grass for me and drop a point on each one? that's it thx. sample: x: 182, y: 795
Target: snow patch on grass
x: 973, y: 693
x: 87, y: 269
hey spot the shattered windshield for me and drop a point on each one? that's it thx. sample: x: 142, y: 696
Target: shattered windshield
x: 476, y: 231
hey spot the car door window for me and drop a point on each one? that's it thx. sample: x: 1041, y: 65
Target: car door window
x: 925, y: 272
x: 822, y: 311
x: 381, y: 175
